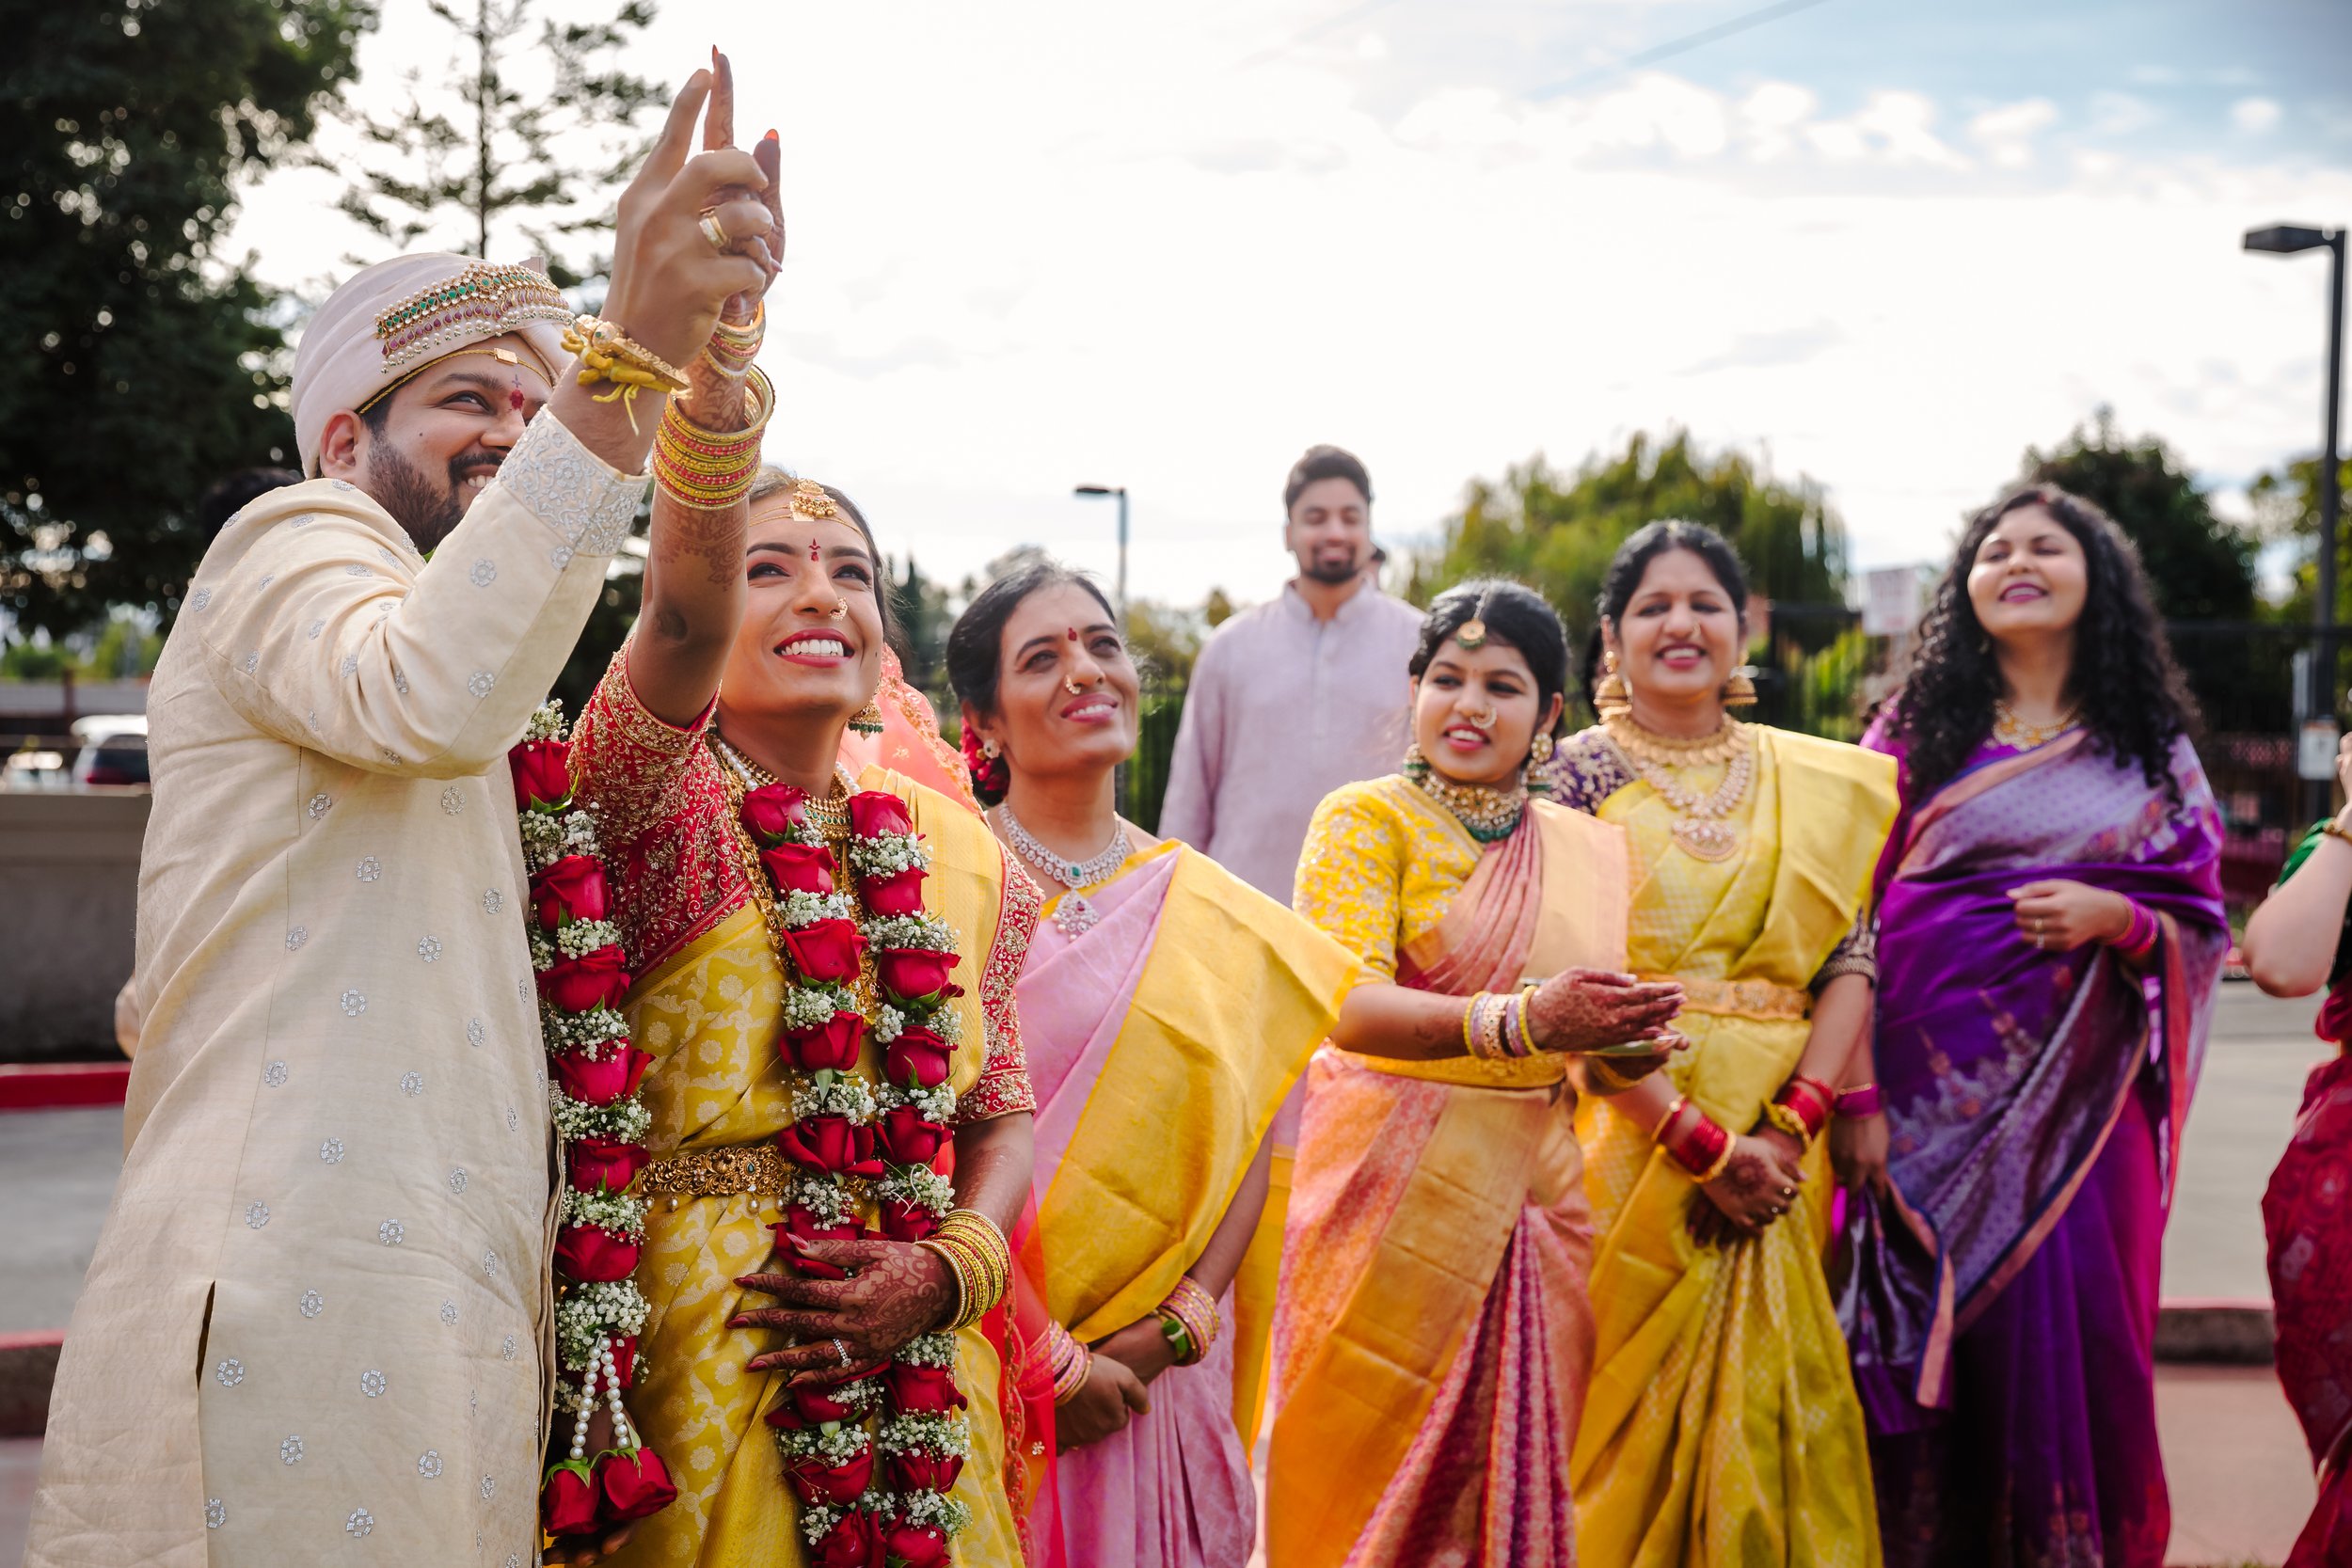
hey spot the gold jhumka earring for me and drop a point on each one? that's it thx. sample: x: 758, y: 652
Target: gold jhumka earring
x: 1740, y: 692
x: 868, y: 720
x: 1610, y: 699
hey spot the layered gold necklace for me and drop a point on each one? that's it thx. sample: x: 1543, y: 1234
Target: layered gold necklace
x: 1701, y: 830
x: 830, y: 816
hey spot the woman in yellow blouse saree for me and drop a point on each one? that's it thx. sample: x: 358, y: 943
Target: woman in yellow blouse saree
x: 1433, y: 1334
x: 1722, y: 1428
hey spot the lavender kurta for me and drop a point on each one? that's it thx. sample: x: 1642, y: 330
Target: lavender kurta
x: 313, y: 1329
x: 1282, y: 710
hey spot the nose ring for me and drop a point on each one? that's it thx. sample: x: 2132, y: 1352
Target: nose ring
x: 1071, y: 686
x: 840, y: 608
x: 1484, y: 721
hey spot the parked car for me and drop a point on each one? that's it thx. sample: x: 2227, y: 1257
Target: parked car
x: 114, y: 750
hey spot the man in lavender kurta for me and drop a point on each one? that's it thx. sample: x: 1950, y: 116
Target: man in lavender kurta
x: 1298, y: 696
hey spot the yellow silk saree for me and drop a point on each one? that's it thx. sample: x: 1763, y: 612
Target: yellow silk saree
x: 1722, y: 1428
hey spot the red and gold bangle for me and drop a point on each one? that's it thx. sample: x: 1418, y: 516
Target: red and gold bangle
x: 1693, y: 1140
x: 976, y: 1253
x: 732, y: 349
x: 1069, y: 1360
x: 710, y: 470
x: 1802, y: 1108
x: 1862, y: 1099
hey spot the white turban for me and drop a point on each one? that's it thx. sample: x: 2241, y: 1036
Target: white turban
x: 390, y: 321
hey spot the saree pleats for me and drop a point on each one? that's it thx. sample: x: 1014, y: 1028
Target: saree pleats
x: 1722, y: 1426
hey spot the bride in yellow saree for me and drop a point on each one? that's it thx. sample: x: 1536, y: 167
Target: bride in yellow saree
x: 1722, y: 1428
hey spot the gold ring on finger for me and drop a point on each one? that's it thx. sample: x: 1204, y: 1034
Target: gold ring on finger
x: 1789, y: 1191
x: 714, y: 230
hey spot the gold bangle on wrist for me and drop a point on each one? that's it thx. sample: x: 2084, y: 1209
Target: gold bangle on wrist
x: 1785, y: 1118
x: 1722, y: 1161
x: 2334, y: 828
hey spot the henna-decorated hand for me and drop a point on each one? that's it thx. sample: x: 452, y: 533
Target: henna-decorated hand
x: 1585, y: 1010
x: 895, y: 1291
x: 1857, y: 1150
x: 1103, y: 1403
x: 715, y: 399
x: 1756, y: 1189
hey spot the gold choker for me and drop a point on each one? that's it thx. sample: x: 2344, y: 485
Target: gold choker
x: 1669, y: 751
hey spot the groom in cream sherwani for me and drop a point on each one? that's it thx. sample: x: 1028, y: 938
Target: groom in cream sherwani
x: 314, y: 1330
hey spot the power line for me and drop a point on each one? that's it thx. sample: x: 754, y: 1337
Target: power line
x: 1682, y: 45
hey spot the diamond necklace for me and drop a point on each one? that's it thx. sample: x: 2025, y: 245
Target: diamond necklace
x: 1699, y: 831
x: 1073, y: 912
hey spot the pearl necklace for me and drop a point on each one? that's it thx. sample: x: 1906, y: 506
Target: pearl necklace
x: 2019, y: 735
x: 1073, y: 912
x: 1699, y: 831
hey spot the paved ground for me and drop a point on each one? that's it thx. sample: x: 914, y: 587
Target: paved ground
x: 2240, y: 1479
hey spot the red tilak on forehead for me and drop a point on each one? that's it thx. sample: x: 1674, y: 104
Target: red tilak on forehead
x: 1073, y: 634
x: 811, y: 549
x: 515, y: 396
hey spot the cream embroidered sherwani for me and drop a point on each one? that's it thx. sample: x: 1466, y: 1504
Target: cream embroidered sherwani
x: 313, y: 1332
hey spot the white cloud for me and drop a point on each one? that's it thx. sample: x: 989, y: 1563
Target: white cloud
x: 1038, y: 243
x: 2007, y: 134
x: 2254, y: 116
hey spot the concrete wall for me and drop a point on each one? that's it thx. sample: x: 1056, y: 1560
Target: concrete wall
x: 69, y: 910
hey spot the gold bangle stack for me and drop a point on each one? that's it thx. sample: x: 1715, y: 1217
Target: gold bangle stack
x: 707, y: 470
x: 1785, y: 1118
x: 976, y: 1253
x: 608, y: 354
x: 732, y: 349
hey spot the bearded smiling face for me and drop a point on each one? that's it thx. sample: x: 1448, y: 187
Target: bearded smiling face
x: 429, y: 447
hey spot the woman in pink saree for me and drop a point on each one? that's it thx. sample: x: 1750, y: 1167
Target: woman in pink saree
x: 1434, y: 1335
x: 1170, y: 1007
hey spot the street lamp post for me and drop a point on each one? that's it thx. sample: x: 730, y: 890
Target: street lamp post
x: 1121, y: 491
x: 2287, y: 240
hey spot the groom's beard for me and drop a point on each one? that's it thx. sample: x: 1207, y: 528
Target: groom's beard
x: 426, y: 511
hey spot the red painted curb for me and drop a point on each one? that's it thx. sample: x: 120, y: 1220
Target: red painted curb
x: 51, y: 1085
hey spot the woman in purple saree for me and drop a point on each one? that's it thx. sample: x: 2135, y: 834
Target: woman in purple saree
x: 2050, y: 932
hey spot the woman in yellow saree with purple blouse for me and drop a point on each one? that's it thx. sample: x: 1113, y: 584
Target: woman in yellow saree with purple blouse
x: 1434, y: 1335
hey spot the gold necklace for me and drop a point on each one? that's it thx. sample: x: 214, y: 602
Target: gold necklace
x: 1673, y: 751
x: 2020, y: 736
x: 1700, y: 830
x: 1487, y: 814
x: 830, y: 816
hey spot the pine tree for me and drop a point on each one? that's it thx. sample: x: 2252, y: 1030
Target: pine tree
x: 141, y: 364
x: 539, y: 130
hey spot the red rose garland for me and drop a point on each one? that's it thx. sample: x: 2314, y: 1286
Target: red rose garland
x: 582, y: 975
x: 872, y: 1461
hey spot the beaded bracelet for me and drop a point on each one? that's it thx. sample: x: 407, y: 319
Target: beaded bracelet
x: 976, y: 1253
x: 1067, y: 1359
x: 610, y: 355
x: 1863, y: 1100
x: 732, y: 349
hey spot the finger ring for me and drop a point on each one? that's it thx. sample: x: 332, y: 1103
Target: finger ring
x: 842, y: 1351
x: 714, y: 230
x: 1789, y: 1191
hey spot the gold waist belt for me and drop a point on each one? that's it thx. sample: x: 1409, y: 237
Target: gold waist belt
x: 758, y: 1168
x: 1744, y: 998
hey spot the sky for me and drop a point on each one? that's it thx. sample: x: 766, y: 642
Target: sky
x: 1884, y: 243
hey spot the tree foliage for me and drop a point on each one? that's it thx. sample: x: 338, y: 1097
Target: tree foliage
x: 537, y: 125
x: 141, y: 366
x: 1556, y: 531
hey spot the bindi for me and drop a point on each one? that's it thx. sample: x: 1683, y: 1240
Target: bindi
x: 515, y: 397
x: 1073, y: 634
x: 811, y: 549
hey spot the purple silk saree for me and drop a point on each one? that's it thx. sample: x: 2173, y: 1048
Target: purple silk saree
x: 2001, y: 1311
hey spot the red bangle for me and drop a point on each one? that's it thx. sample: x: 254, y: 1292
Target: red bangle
x: 1697, y: 1143
x: 1863, y: 1100
x: 1810, y: 1100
